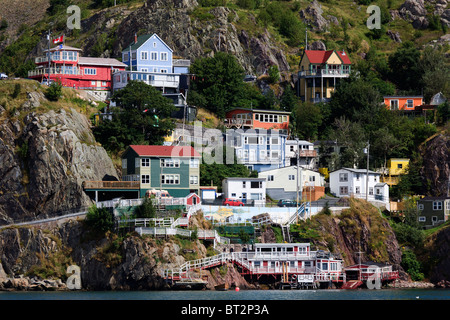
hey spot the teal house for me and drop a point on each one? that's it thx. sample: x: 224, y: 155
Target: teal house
x: 175, y: 169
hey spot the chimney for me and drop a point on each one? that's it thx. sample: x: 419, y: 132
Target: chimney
x: 135, y: 38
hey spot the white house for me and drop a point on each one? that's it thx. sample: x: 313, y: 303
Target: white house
x: 347, y: 182
x: 282, y: 182
x: 306, y: 155
x: 247, y: 190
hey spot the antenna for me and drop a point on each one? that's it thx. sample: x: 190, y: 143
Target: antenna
x: 306, y: 38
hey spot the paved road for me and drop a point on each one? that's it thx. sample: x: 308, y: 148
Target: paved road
x: 48, y: 220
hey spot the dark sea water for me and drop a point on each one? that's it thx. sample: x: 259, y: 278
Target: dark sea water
x: 365, y: 294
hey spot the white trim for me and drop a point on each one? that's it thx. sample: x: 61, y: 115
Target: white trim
x: 146, y: 55
x: 151, y: 55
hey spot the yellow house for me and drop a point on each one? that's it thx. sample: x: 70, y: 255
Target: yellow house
x: 320, y: 72
x: 396, y: 167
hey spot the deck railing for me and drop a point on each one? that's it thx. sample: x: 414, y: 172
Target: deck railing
x: 111, y: 184
x: 59, y: 71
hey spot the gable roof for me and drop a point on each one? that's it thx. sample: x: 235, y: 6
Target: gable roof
x: 100, y: 62
x: 165, y: 151
x: 364, y: 171
x: 143, y: 39
x: 320, y: 56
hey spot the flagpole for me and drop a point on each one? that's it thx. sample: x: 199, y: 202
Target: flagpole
x: 48, y: 56
x: 64, y: 61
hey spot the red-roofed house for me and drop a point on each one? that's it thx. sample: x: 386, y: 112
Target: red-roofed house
x: 320, y: 72
x: 172, y: 168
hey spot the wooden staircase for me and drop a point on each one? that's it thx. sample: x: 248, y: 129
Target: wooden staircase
x: 352, y: 284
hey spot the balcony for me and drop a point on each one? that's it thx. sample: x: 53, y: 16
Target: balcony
x: 238, y: 123
x: 325, y: 73
x: 57, y: 59
x: 111, y: 184
x: 308, y: 153
x: 53, y: 71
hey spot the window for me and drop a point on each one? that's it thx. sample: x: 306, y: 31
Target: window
x: 399, y: 166
x: 409, y: 103
x: 125, y: 56
x: 420, y: 206
x: 145, y: 178
x: 324, y: 266
x: 246, y: 154
x: 343, y: 190
x: 145, y: 162
x: 275, y: 141
x: 163, y: 71
x: 154, y: 44
x: 274, y: 154
x: 233, y: 195
x: 357, y: 190
x: 163, y: 56
x: 256, y: 185
x: 270, y: 177
x: 262, y: 154
x: 371, y: 191
x: 357, y: 177
x: 93, y: 83
x: 193, y: 163
x: 437, y: 205
x: 144, y: 55
x: 170, y: 163
x: 292, y: 149
x: 90, y: 71
x: 124, y: 163
x: 243, y: 184
x: 343, y: 177
x: 154, y: 55
x: 291, y: 177
x: 170, y: 179
x: 394, y: 104
x: 312, y: 178
x: 133, y: 55
x: 251, y: 140
x: 193, y: 179
x: 422, y: 219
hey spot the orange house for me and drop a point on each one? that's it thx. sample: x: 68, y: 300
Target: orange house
x: 242, y: 118
x: 408, y: 103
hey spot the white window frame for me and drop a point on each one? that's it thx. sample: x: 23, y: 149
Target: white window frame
x: 144, y: 53
x: 422, y: 219
x: 291, y: 177
x: 154, y: 55
x: 171, y: 179
x: 194, y: 163
x: 126, y: 56
x: 396, y: 107
x: 343, y: 190
x: 193, y: 179
x: 343, y: 177
x: 164, y: 56
x: 420, y: 206
x: 124, y: 163
x: 145, y: 179
x: 437, y: 205
x: 145, y: 162
x: 408, y: 103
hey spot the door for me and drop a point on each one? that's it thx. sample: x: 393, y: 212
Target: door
x: 252, y: 156
x: 244, y: 197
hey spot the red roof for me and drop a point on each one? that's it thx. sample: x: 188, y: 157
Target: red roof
x: 165, y: 151
x: 320, y: 56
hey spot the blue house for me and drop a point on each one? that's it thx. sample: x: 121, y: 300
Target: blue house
x: 258, y: 149
x: 150, y: 59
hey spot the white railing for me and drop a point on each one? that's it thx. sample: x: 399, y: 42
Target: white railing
x: 44, y: 71
x: 170, y: 231
x: 324, y: 72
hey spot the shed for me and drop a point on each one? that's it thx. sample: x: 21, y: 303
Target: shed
x: 192, y: 199
x: 208, y: 193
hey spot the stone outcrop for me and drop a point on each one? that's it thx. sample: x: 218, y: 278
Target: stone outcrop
x: 312, y: 15
x: 435, y: 171
x: 416, y: 12
x: 45, y: 157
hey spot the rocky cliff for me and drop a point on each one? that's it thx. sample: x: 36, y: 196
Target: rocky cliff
x: 47, y: 150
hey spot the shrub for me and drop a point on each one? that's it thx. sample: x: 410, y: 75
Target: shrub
x: 99, y: 220
x: 54, y: 92
x: 16, y: 91
x: 146, y: 209
x: 411, y: 265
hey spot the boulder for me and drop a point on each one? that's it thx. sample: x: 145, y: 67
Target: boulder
x: 394, y: 36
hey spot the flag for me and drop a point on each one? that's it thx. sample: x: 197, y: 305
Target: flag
x: 59, y: 39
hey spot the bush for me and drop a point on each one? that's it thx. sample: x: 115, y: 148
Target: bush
x: 411, y: 265
x: 99, y: 219
x: 146, y: 209
x: 54, y: 92
x: 16, y: 92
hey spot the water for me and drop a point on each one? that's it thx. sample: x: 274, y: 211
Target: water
x: 260, y: 295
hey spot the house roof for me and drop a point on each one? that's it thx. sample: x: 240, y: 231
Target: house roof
x: 165, y: 151
x: 261, y: 111
x: 245, y: 178
x: 320, y: 56
x: 434, y: 198
x: 100, y: 62
x: 288, y: 168
x: 63, y: 48
x: 143, y: 39
x: 402, y: 97
x: 357, y: 171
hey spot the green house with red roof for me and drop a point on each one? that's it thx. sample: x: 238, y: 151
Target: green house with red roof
x: 172, y: 168
x: 320, y: 72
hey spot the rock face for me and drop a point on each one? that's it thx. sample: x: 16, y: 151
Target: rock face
x: 437, y: 258
x: 313, y: 15
x: 192, y: 37
x: 416, y: 12
x: 435, y: 170
x: 45, y: 157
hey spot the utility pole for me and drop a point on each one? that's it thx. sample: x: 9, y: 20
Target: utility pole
x: 367, y: 171
x: 48, y: 56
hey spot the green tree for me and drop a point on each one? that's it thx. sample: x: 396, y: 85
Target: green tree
x: 143, y: 118
x: 146, y: 209
x: 219, y: 82
x: 404, y: 67
x: 99, y: 220
x: 308, y: 120
x: 54, y: 91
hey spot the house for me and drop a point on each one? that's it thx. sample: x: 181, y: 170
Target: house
x: 282, y: 183
x: 395, y: 168
x: 149, y: 59
x: 433, y: 210
x: 242, y: 118
x: 208, y: 194
x: 74, y: 71
x: 172, y: 168
x: 320, y: 73
x: 347, y: 182
x: 306, y: 155
x: 258, y: 149
x: 406, y: 103
x: 247, y: 190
